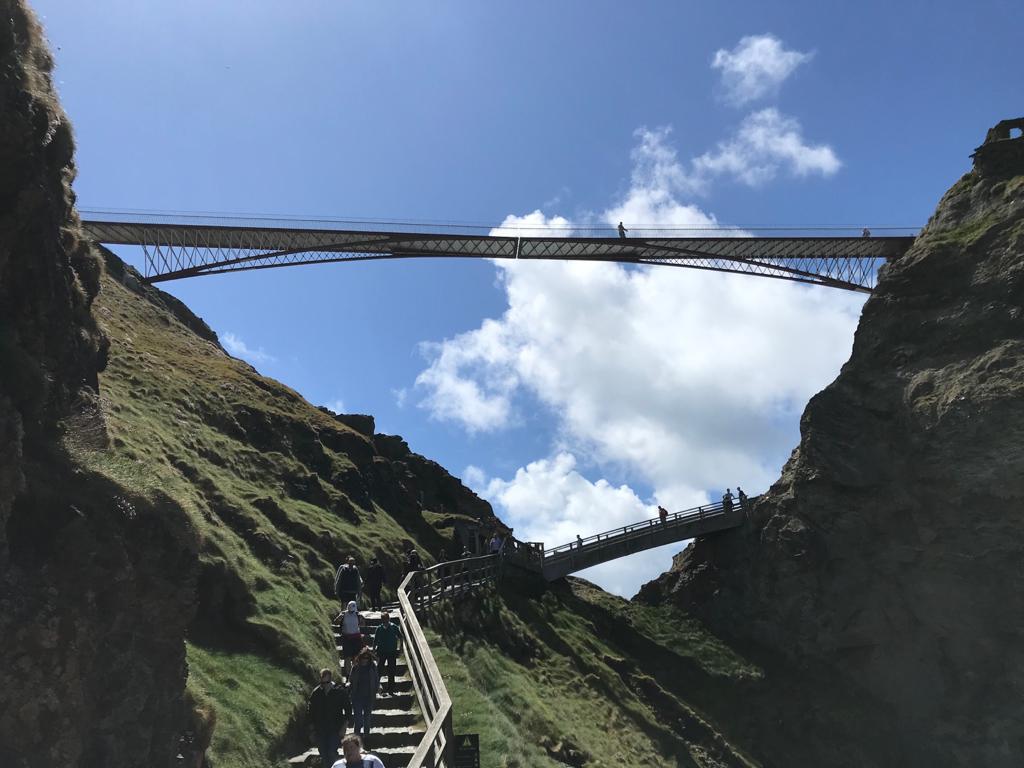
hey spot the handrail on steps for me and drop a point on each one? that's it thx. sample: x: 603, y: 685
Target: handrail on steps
x: 421, y: 589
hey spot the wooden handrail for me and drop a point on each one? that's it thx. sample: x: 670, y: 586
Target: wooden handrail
x: 420, y: 589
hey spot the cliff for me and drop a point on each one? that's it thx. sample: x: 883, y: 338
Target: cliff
x: 84, y: 563
x: 888, y: 553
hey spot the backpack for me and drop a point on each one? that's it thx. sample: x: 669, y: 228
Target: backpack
x: 341, y: 582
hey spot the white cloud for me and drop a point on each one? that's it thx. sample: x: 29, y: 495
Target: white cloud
x: 235, y: 346
x: 337, y: 405
x: 550, y: 501
x: 765, y: 142
x: 534, y: 225
x: 681, y: 380
x: 756, y: 67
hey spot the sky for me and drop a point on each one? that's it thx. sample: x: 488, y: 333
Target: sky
x: 574, y: 397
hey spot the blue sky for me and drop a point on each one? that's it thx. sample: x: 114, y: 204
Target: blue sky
x: 572, y: 397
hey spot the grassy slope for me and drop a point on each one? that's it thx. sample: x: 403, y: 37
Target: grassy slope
x: 185, y: 418
x: 582, y: 677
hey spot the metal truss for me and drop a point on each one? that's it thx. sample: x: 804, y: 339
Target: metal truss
x: 176, y: 250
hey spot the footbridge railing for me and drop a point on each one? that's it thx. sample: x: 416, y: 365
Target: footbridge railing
x: 646, y: 534
x: 421, y: 589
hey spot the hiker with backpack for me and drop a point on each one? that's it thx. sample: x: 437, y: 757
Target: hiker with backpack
x: 363, y: 683
x: 347, y: 581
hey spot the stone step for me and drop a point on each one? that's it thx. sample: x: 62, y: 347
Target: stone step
x: 394, y: 717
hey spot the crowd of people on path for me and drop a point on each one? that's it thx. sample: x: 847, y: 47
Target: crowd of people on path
x: 366, y: 659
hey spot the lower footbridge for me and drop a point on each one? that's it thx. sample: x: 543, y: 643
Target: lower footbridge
x: 646, y: 534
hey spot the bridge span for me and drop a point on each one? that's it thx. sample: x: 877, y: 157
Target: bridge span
x: 176, y: 247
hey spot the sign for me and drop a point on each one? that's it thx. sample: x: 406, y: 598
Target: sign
x: 467, y: 750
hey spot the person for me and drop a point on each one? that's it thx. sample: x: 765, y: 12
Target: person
x: 363, y: 684
x: 328, y: 710
x: 495, y: 545
x: 743, y: 498
x: 412, y: 562
x: 866, y: 232
x: 351, y: 633
x: 466, y: 553
x: 353, y: 755
x: 727, y: 501
x: 579, y: 541
x: 386, y: 640
x: 347, y: 581
x: 374, y: 583
x: 662, y: 514
x: 622, y: 231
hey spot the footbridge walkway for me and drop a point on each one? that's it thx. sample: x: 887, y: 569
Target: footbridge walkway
x: 647, y: 534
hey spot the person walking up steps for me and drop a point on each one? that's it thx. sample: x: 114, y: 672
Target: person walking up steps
x: 351, y: 633
x: 374, y: 583
x: 354, y: 757
x: 385, y: 644
x: 347, y: 581
x: 328, y: 710
x: 363, y: 684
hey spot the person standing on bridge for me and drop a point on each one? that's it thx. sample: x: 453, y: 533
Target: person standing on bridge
x: 622, y: 231
x: 347, y: 581
x: 327, y: 710
x: 727, y: 501
x: 374, y: 583
x: 743, y: 499
x: 662, y: 514
x: 386, y: 641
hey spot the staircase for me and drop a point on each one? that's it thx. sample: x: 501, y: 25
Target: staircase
x: 396, y: 726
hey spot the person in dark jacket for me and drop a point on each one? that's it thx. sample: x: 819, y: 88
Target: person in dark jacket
x: 374, y: 583
x: 328, y: 710
x: 386, y: 640
x: 348, y: 582
x: 412, y: 562
x: 363, y: 685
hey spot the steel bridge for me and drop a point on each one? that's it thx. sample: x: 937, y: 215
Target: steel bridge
x: 176, y: 247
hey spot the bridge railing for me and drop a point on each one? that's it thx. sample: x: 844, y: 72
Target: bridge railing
x: 419, y: 590
x: 643, y: 527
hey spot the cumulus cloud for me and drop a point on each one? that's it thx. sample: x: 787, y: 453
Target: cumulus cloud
x: 766, y: 142
x: 237, y: 347
x: 756, y: 67
x: 680, y: 381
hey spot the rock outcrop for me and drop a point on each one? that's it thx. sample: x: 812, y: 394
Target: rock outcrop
x: 890, y: 551
x: 95, y: 582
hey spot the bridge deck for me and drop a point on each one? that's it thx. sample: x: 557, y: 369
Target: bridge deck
x: 178, y: 249
x: 630, y: 539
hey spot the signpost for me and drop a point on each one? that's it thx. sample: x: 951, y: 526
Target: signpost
x: 467, y: 750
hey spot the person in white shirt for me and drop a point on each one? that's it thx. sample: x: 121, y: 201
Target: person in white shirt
x: 354, y: 757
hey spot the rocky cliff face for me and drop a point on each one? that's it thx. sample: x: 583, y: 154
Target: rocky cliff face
x: 91, y: 620
x: 889, y: 552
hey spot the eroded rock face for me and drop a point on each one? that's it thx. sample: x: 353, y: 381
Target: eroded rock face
x: 891, y: 548
x: 95, y: 586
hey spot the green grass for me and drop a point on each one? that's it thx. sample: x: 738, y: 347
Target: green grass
x: 556, y: 680
x: 231, y: 448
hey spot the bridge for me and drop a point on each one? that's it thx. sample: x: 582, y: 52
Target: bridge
x: 176, y: 247
x: 647, y: 534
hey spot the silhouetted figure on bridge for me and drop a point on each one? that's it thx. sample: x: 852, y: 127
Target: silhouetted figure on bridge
x: 727, y: 501
x: 866, y: 232
x: 412, y: 562
x: 622, y: 231
x: 579, y: 541
x: 496, y: 544
x: 743, y: 499
x: 662, y: 515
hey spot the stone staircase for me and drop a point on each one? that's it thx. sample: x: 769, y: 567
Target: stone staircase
x: 396, y: 726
